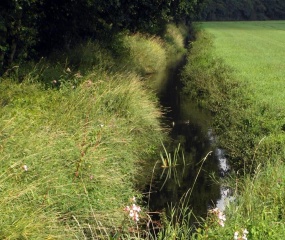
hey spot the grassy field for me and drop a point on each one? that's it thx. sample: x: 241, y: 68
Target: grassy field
x: 237, y: 69
x: 248, y: 54
x: 256, y: 51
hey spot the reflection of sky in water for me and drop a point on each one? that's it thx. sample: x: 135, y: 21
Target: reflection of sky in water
x: 197, y: 140
x: 224, y: 168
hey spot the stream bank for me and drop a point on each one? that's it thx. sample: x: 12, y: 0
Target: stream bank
x: 190, y: 130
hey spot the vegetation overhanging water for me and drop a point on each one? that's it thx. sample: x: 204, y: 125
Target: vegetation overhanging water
x: 54, y: 183
x: 192, y: 140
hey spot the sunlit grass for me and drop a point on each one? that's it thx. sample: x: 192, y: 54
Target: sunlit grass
x: 80, y: 133
x: 248, y: 56
x: 75, y: 152
x: 255, y: 50
x: 175, y: 37
x: 236, y: 76
x: 258, y: 208
x: 147, y: 54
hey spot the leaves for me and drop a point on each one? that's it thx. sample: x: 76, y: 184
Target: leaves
x: 35, y: 27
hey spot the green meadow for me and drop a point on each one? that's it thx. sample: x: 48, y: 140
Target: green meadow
x: 237, y: 70
x: 256, y: 51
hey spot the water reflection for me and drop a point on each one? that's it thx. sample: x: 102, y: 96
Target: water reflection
x: 192, y: 133
x: 191, y: 128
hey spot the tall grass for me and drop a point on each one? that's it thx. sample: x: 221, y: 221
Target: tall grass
x: 79, y: 136
x: 229, y: 71
x: 243, y: 116
x: 80, y: 133
x: 146, y: 53
x: 258, y: 207
x: 82, y: 146
x: 176, y: 37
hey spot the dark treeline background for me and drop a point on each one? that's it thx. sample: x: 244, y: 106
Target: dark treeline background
x: 243, y: 10
x: 33, y: 28
x: 30, y: 29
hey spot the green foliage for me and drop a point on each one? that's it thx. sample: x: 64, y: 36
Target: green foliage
x: 78, y: 138
x: 239, y: 95
x: 258, y: 207
x: 82, y: 147
x: 248, y: 122
x: 206, y: 79
x: 147, y: 54
x: 177, y: 225
x: 33, y: 28
x: 18, y: 30
x: 175, y: 36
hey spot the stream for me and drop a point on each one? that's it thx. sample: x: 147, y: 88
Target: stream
x: 191, y: 131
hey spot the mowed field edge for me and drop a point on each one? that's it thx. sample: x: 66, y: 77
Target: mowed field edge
x: 256, y: 51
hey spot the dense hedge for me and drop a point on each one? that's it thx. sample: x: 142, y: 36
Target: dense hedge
x: 31, y: 28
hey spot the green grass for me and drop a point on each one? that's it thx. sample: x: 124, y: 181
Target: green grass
x: 258, y: 207
x: 235, y: 69
x: 141, y: 53
x: 255, y: 50
x: 238, y: 67
x: 84, y: 147
x: 79, y: 136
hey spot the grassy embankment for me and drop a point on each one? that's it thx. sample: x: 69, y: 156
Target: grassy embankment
x: 79, y: 137
x: 237, y: 69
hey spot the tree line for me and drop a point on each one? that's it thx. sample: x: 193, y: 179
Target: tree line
x: 29, y: 28
x: 33, y: 28
x: 243, y: 10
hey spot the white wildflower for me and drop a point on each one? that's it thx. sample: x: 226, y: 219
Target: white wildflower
x: 25, y: 167
x: 238, y: 237
x: 133, y: 210
x: 220, y: 215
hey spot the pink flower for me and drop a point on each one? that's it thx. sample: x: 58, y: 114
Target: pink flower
x: 136, y: 208
x: 221, y: 223
x: 220, y: 215
x: 133, y: 211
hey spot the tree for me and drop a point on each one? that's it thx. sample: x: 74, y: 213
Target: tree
x: 18, y: 32
x: 243, y: 10
x: 38, y: 26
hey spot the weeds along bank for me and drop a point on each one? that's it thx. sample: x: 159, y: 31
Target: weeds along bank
x: 79, y: 136
x: 244, y: 91
x: 232, y: 71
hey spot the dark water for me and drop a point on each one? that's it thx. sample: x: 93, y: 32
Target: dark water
x: 191, y: 128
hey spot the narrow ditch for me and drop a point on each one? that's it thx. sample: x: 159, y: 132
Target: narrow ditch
x: 191, y: 131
